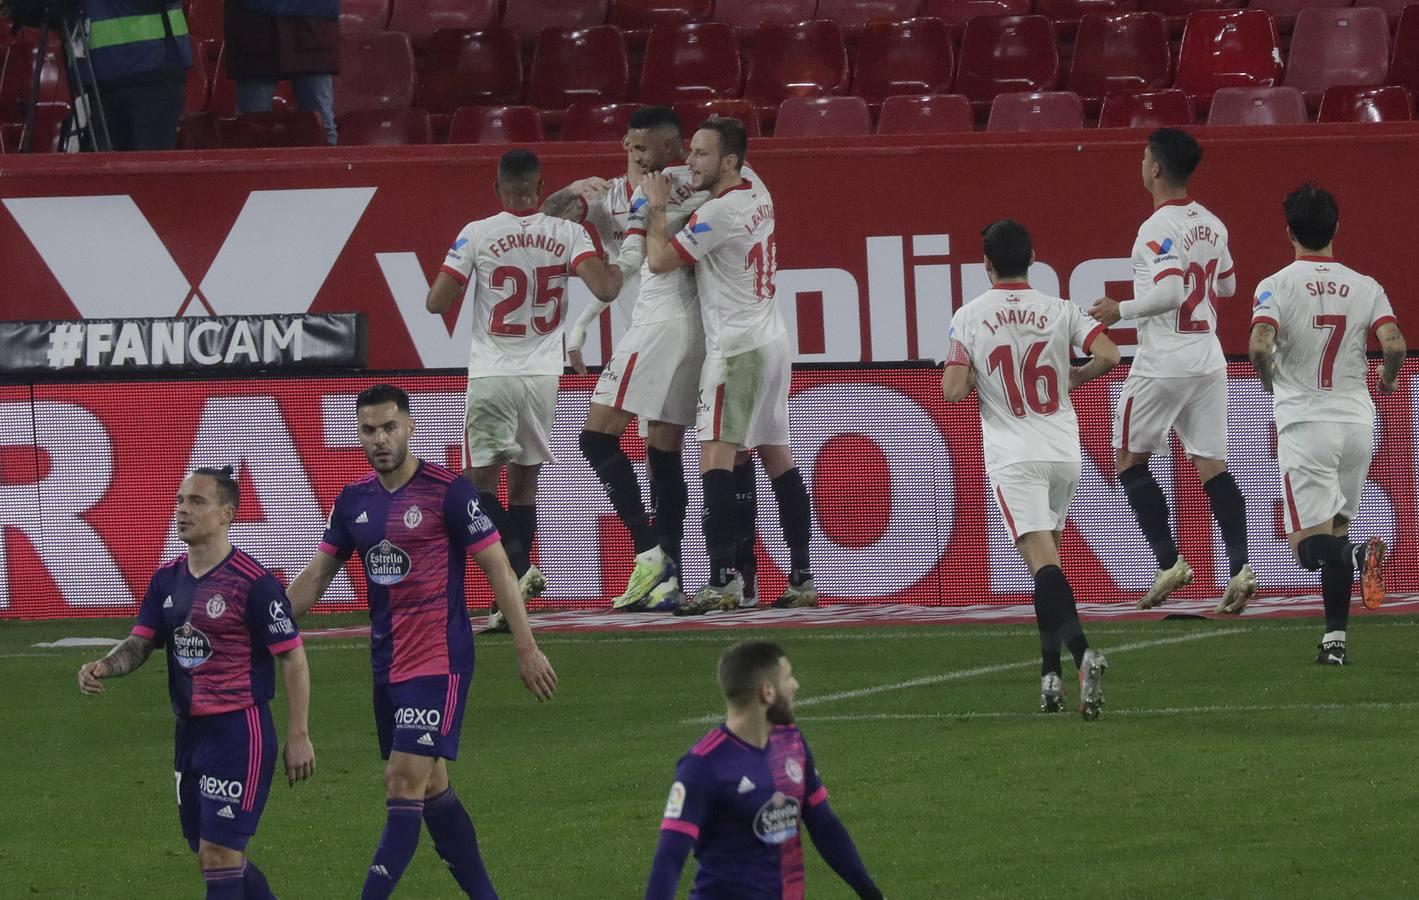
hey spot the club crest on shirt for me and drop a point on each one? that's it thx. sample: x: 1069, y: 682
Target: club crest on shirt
x: 386, y: 564
x: 190, y: 647
x: 412, y: 517
x: 216, y: 606
x: 777, y: 820
x: 793, y: 770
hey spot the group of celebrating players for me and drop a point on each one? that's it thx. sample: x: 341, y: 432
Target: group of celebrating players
x: 689, y: 243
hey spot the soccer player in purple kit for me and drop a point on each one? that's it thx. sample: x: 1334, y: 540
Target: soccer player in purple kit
x: 742, y: 791
x: 222, y: 617
x: 413, y: 522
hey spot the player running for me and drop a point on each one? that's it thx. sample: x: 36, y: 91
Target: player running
x: 1178, y: 379
x: 1308, y: 335
x: 744, y: 791
x: 222, y: 617
x: 743, y: 388
x: 515, y: 265
x: 413, y: 523
x: 1012, y: 345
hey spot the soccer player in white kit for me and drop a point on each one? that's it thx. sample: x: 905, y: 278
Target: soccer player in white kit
x: 1012, y: 346
x: 743, y: 392
x: 1309, y: 328
x: 515, y: 266
x: 1178, y: 379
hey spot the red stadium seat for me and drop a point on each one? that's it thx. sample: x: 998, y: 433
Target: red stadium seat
x: 16, y: 81
x: 1177, y: 11
x: 1006, y: 54
x: 198, y: 87
x: 956, y: 13
x: 376, y: 72
x: 1123, y: 52
x: 1285, y: 11
x: 1355, y: 103
x: 587, y: 66
x: 421, y: 18
x: 1227, y: 48
x: 1258, y: 106
x: 1337, y: 46
x: 464, y: 68
x: 1393, y: 8
x: 529, y: 18
x: 688, y: 62
x: 292, y: 128
x: 48, y: 125
x: 197, y: 131
x: 910, y: 57
x: 747, y: 15
x: 222, y: 101
x: 823, y: 117
x: 932, y: 114
x: 853, y: 15
x: 385, y: 128
x: 643, y: 15
x: 1066, y: 14
x: 205, y: 19
x: 1043, y: 111
x: 693, y: 112
x: 1404, y: 64
x: 597, y: 122
x: 359, y: 16
x: 496, y: 125
x: 802, y: 59
x: 1146, y: 109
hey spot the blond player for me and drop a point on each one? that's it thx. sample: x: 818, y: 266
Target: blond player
x: 1012, y: 345
x: 1309, y: 328
x: 743, y: 388
x: 1178, y: 379
x: 515, y: 265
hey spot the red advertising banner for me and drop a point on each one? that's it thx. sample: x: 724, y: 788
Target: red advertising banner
x: 878, y: 237
x: 88, y: 474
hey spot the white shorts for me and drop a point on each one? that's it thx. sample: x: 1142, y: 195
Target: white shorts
x: 1034, y: 496
x: 655, y: 372
x: 744, y: 398
x: 1195, y: 407
x: 509, y: 420
x: 1323, y: 470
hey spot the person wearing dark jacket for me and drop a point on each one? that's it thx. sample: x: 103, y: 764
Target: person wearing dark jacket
x: 275, y: 40
x: 141, y: 53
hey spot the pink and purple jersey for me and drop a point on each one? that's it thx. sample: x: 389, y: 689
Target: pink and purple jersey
x: 743, y: 807
x: 413, y: 543
x: 220, y: 632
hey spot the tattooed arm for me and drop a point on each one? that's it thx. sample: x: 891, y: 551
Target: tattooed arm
x: 569, y: 202
x: 130, y: 653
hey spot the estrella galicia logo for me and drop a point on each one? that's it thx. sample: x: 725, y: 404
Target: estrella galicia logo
x: 190, y: 647
x: 386, y: 564
x: 777, y: 820
x: 1161, y: 249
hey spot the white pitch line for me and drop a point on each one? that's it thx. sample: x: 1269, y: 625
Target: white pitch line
x: 1112, y: 713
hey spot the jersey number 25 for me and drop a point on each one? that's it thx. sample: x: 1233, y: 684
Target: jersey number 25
x: 546, y: 304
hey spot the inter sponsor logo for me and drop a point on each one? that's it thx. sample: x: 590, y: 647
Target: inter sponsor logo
x: 220, y: 788
x: 413, y: 717
x: 777, y: 820
x: 386, y: 564
x: 283, y: 626
x: 190, y: 647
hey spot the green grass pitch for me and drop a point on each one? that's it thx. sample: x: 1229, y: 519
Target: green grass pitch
x: 1226, y: 764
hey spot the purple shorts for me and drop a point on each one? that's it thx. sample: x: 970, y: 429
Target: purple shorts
x: 422, y: 716
x: 223, y: 764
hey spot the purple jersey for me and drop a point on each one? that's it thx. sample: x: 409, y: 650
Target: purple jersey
x: 414, y: 544
x: 220, y: 631
x: 743, y: 805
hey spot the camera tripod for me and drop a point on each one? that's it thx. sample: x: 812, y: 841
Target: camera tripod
x: 86, y: 120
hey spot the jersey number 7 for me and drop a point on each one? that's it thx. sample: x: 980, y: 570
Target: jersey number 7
x: 544, y: 320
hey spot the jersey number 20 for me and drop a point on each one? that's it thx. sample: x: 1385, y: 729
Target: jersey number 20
x: 1202, y: 285
x: 544, y: 320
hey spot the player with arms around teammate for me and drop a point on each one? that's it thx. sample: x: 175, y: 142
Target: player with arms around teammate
x: 745, y: 790
x: 413, y: 524
x: 743, y: 393
x: 1309, y: 327
x: 515, y: 266
x: 1012, y: 345
x: 1178, y: 379
x: 222, y: 617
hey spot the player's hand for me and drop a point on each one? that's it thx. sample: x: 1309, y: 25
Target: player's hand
x: 577, y: 363
x: 589, y: 187
x: 89, y: 675
x: 656, y: 186
x: 1105, y: 310
x: 1076, y: 376
x: 300, y: 758
x: 1388, y: 387
x: 537, y: 673
x: 576, y: 336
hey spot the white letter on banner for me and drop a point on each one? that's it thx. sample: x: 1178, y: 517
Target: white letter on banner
x: 275, y: 340
x: 194, y: 343
x: 129, y: 347
x: 437, y: 348
x: 842, y: 316
x: 243, y: 343
x: 98, y: 339
x: 169, y: 342
x: 887, y: 298
x: 19, y: 503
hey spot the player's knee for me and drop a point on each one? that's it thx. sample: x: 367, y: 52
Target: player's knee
x: 404, y: 781
x: 215, y: 856
x: 597, y: 446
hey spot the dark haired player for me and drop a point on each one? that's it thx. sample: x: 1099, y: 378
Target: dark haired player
x: 744, y: 791
x: 515, y: 266
x: 743, y: 389
x: 1310, y: 324
x: 1012, y: 346
x: 413, y: 524
x: 1178, y: 379
x: 222, y: 617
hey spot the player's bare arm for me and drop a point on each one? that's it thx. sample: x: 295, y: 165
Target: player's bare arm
x: 1262, y: 350
x: 445, y: 290
x: 309, y: 586
x: 660, y: 254
x: 601, y: 278
x: 532, y: 666
x: 1105, y: 356
x: 567, y: 203
x: 130, y: 654
x: 957, y: 382
x: 299, y: 753
x: 1394, y: 348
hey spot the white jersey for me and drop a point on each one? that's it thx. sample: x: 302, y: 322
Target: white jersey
x: 1323, y: 313
x: 518, y: 265
x: 1181, y: 240
x: 607, y: 216
x: 730, y: 242
x: 1018, y: 342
